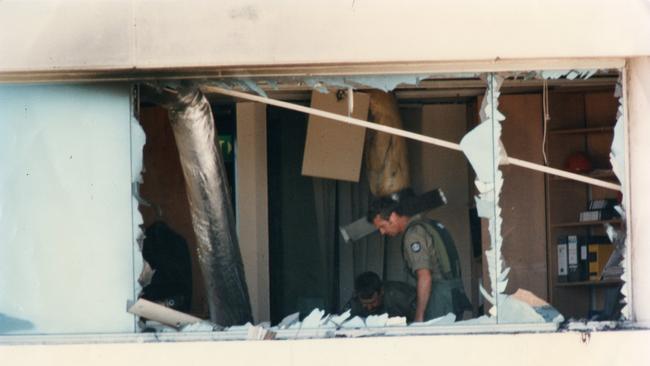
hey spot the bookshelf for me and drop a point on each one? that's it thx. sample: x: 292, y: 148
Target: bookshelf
x: 581, y: 122
x: 604, y: 282
x: 587, y: 223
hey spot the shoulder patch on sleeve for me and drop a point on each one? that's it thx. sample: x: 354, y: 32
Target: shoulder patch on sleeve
x: 416, y: 247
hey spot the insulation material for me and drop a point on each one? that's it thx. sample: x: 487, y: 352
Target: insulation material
x: 66, y: 227
x: 385, y: 154
x: 334, y: 150
x: 385, y: 83
x: 323, y: 84
x: 210, y: 204
x: 243, y: 84
x: 485, y: 152
x: 567, y: 74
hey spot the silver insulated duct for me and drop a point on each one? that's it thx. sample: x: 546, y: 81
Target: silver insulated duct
x: 210, y: 203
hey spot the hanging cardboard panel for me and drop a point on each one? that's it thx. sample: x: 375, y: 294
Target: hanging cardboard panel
x: 333, y: 149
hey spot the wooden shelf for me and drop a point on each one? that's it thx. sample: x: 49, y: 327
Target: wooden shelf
x: 572, y: 131
x: 597, y: 174
x: 608, y: 282
x: 588, y: 223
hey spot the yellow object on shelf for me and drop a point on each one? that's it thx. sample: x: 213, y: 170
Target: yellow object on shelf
x: 598, y: 254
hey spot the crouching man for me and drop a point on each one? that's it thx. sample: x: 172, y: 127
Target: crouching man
x: 374, y: 297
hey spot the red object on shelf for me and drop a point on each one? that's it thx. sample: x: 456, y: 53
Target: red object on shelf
x: 578, y: 162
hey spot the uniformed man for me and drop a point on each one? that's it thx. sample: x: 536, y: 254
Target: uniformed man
x: 374, y: 297
x: 429, y: 253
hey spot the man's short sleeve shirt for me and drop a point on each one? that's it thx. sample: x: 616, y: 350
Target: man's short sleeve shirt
x: 419, y: 250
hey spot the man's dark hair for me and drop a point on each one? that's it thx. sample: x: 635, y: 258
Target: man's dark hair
x: 398, y: 202
x: 366, y: 284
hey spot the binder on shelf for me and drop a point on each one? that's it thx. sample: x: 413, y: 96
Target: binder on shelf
x: 584, y: 259
x: 562, y: 263
x: 573, y: 261
x: 599, y: 251
x: 602, y: 203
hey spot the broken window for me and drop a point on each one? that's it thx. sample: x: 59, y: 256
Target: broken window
x: 66, y: 243
x: 485, y: 140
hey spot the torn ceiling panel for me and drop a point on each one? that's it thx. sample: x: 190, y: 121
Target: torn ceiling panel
x: 567, y: 74
x: 324, y: 84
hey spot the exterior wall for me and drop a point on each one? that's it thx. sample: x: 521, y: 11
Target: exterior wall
x: 639, y: 151
x: 69, y: 37
x: 59, y: 35
x: 595, y: 349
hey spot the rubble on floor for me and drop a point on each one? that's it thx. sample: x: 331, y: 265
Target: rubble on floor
x: 522, y: 309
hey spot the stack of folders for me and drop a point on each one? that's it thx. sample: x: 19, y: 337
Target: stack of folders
x: 572, y: 258
x: 601, y: 209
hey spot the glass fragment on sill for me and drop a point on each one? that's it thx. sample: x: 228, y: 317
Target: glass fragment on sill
x: 618, y: 237
x: 138, y: 140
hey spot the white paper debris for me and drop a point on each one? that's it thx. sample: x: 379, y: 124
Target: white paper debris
x: 313, y: 320
x: 239, y: 328
x: 396, y: 321
x: 592, y: 326
x: 376, y: 321
x: 289, y: 320
x: 202, y: 326
x: 484, y: 319
x: 450, y: 318
x: 338, y: 320
x: 354, y: 323
x: 259, y: 332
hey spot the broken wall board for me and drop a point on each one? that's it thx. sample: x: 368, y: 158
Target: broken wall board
x: 334, y: 150
x: 600, y: 110
x: 435, y: 167
x: 252, y: 204
x: 522, y: 198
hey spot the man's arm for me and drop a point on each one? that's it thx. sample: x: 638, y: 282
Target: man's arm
x: 423, y: 291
